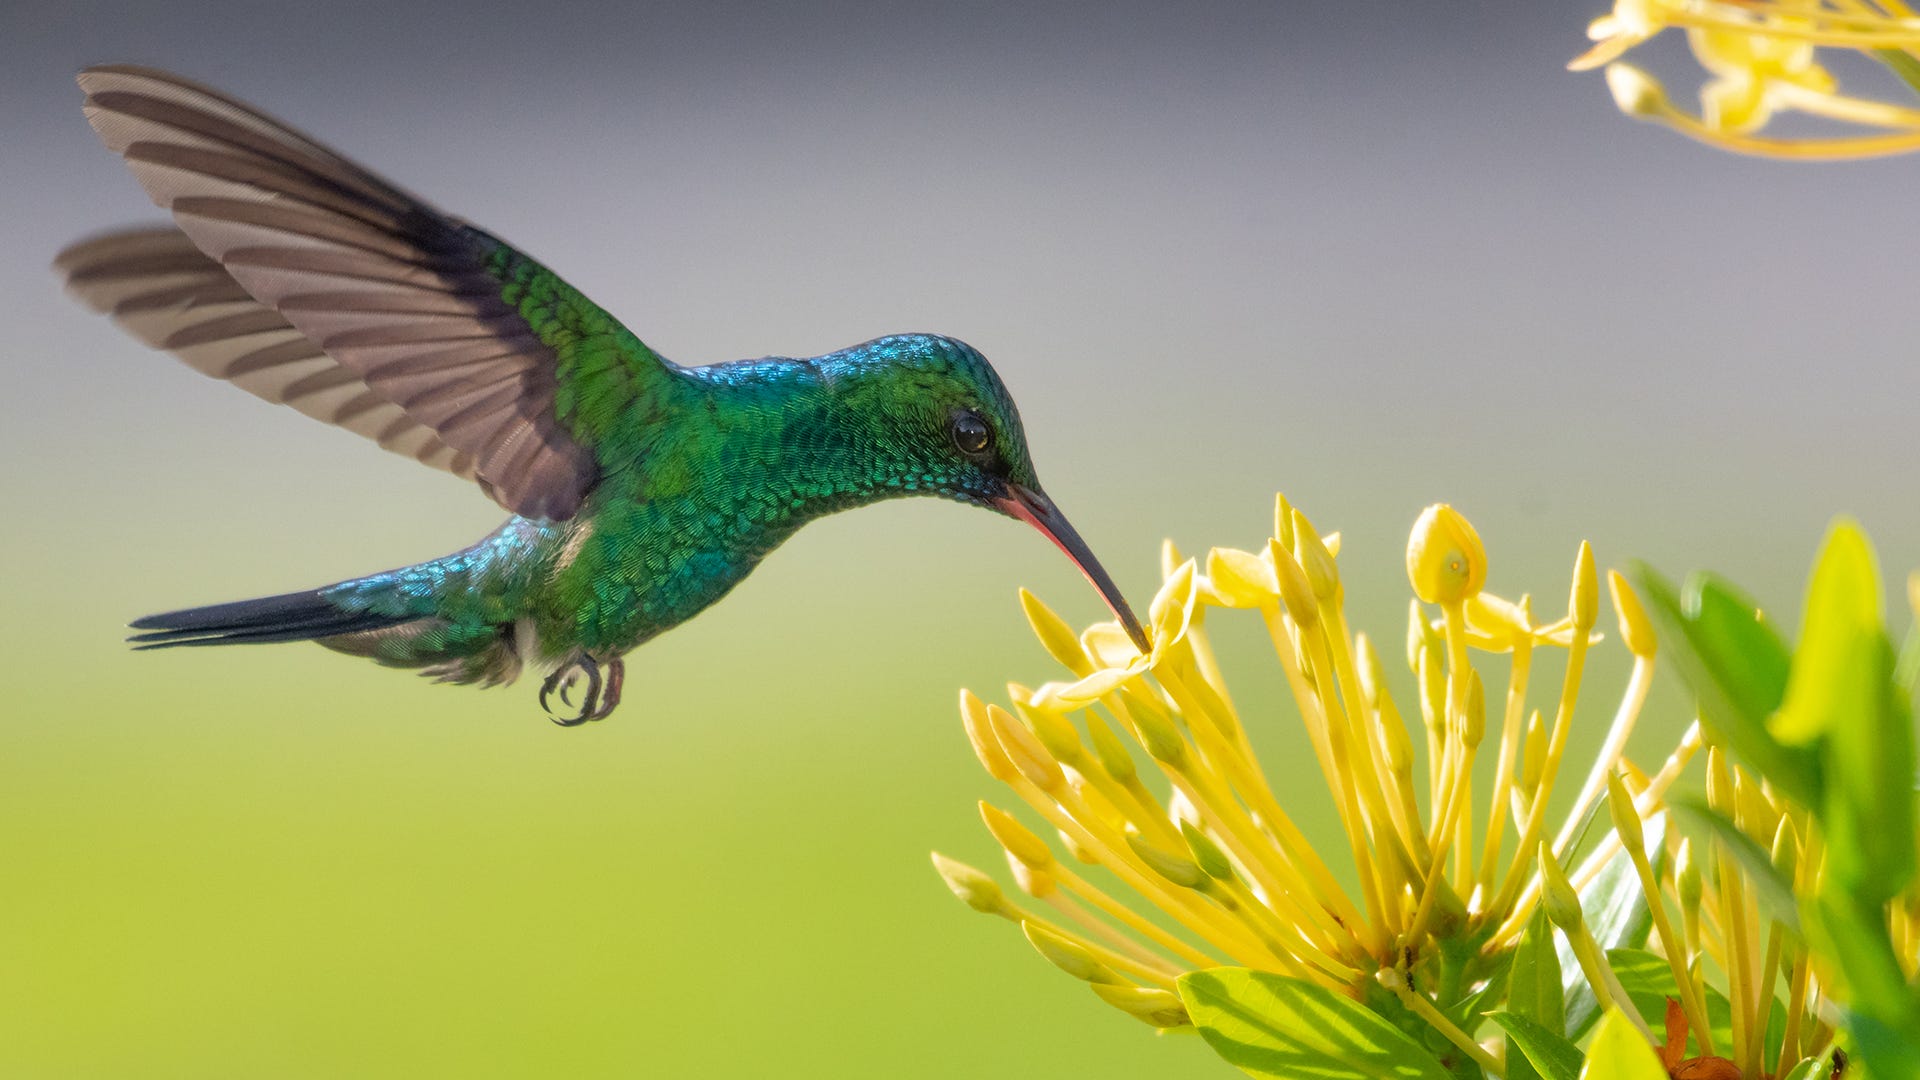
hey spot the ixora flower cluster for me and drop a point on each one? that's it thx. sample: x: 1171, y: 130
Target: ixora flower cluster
x: 1763, y: 58
x: 1179, y: 889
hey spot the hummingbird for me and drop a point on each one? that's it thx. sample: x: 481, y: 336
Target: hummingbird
x: 640, y: 491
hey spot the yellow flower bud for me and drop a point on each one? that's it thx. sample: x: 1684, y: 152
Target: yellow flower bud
x: 1556, y: 893
x: 1020, y: 841
x: 1371, y: 676
x: 1786, y: 850
x: 1149, y: 1004
x: 1626, y: 820
x: 1056, y: 733
x: 1583, y: 606
x: 1068, y: 955
x: 973, y: 715
x: 980, y: 892
x: 1686, y: 877
x: 1296, y: 591
x: 1322, y: 574
x: 1025, y: 751
x: 1635, y: 629
x: 1178, y: 869
x: 1635, y: 92
x: 1157, y: 733
x: 1112, y: 753
x: 1445, y: 559
x: 1283, y: 521
x: 1055, y: 635
x: 1206, y: 854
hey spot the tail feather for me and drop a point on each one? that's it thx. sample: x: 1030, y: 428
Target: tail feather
x: 300, y: 616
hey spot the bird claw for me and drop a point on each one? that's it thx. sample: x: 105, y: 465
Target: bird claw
x: 602, y: 693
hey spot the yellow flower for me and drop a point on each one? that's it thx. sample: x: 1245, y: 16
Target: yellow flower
x: 1753, y: 74
x: 1764, y: 57
x: 1445, y: 559
x: 1143, y: 767
x: 1730, y: 925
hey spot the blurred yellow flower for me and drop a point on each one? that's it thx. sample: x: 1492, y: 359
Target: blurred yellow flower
x: 1763, y: 58
x: 1201, y: 865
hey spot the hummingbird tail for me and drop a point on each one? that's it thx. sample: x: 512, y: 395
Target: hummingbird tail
x: 300, y: 616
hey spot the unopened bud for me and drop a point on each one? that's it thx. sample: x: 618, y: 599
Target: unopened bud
x: 1055, y: 635
x: 1158, y: 734
x: 1626, y: 820
x: 1068, y: 955
x: 980, y: 892
x: 1556, y: 893
x: 1786, y: 851
x: 1178, y: 869
x: 1025, y: 751
x: 1020, y: 841
x: 1635, y: 629
x: 973, y: 715
x: 1206, y: 854
x: 1283, y: 521
x: 1149, y: 1004
x: 1322, y: 573
x: 1686, y: 877
x: 1583, y: 606
x: 1445, y: 559
x: 1056, y: 733
x: 1475, y: 726
x: 1113, y: 755
x: 1296, y: 591
x: 1635, y: 92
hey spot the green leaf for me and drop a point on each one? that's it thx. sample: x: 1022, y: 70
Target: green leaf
x: 1842, y: 696
x: 1888, y: 1052
x: 1273, y: 1026
x: 1802, y: 1071
x: 1902, y: 64
x: 1616, y: 911
x: 1854, y: 936
x: 1701, y: 821
x: 1736, y: 666
x: 1620, y: 1052
x: 1547, y: 1053
x: 1533, y: 989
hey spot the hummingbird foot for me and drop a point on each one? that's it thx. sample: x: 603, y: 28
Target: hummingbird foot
x: 581, y: 668
x: 602, y: 690
x: 610, y: 689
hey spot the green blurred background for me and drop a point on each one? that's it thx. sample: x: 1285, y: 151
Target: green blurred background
x: 1372, y: 255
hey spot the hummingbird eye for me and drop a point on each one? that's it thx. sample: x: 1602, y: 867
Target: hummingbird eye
x: 970, y: 432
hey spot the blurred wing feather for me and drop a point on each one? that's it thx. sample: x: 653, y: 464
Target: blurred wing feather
x: 327, y: 288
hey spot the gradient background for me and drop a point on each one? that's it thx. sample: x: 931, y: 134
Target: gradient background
x: 1372, y: 255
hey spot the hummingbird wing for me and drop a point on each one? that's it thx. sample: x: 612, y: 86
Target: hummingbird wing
x: 165, y: 291
x: 477, y: 343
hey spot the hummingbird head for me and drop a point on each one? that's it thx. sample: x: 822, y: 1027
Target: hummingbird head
x: 947, y: 426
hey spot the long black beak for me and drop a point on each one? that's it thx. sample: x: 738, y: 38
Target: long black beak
x: 1034, y: 508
